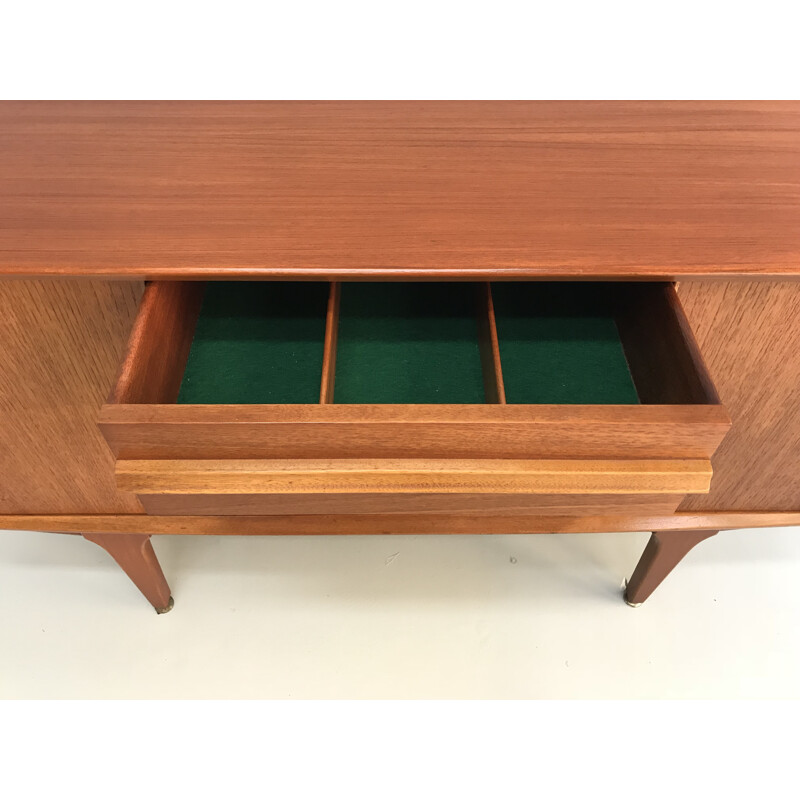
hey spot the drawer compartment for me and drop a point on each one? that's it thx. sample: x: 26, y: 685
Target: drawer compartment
x: 257, y: 343
x: 248, y: 388
x: 408, y: 343
x: 561, y: 347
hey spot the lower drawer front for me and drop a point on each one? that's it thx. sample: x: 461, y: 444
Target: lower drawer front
x: 370, y: 503
x: 412, y: 476
x: 405, y: 485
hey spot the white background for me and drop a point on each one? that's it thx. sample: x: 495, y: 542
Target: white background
x: 746, y: 639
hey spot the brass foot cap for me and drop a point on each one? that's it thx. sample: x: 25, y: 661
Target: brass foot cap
x: 167, y: 607
x: 625, y: 597
x: 632, y: 605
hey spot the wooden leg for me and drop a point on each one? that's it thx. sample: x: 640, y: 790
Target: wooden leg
x: 134, y: 553
x: 663, y: 553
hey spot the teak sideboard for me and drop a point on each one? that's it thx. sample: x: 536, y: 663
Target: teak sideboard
x: 399, y: 317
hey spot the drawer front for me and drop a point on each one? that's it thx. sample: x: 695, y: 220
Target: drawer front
x: 653, y: 438
x: 552, y: 487
x: 407, y: 476
x: 332, y: 431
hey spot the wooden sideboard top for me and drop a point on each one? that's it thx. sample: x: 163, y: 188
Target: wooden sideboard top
x: 400, y: 189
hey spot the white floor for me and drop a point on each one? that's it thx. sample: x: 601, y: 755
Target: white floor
x: 401, y: 617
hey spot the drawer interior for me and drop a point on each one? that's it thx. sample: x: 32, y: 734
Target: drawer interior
x: 530, y: 343
x: 346, y: 384
x: 559, y: 343
x: 257, y: 342
x: 408, y: 343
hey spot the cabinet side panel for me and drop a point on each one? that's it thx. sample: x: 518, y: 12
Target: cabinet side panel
x: 749, y: 334
x: 61, y: 343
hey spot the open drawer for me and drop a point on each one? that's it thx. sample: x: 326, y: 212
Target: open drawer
x: 281, y: 397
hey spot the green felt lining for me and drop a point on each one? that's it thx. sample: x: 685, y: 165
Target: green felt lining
x: 408, y: 343
x: 559, y: 344
x: 257, y: 342
x: 262, y: 342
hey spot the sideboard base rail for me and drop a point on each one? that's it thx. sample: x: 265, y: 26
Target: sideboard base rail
x: 399, y: 524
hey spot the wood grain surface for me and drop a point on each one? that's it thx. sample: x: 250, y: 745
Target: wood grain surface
x: 662, y: 352
x: 392, y: 476
x: 135, y: 554
x: 61, y: 343
x: 489, y: 346
x: 464, y: 190
x: 369, y: 524
x: 413, y: 431
x: 159, y: 345
x: 328, y: 379
x: 749, y: 334
x: 413, y: 503
x: 663, y: 553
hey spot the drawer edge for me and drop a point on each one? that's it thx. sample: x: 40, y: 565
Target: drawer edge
x: 470, y: 432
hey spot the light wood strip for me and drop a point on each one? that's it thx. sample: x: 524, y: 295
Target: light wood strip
x: 290, y: 476
x: 431, y: 503
x: 331, y: 337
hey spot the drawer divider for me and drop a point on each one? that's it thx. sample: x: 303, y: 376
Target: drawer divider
x: 489, y: 346
x: 329, y: 352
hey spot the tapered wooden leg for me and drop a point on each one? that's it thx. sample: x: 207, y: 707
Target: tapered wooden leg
x: 662, y: 554
x: 134, y: 553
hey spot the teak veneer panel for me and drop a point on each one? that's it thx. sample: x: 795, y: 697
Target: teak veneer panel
x: 61, y: 343
x: 473, y: 190
x: 749, y: 334
x: 392, y: 476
